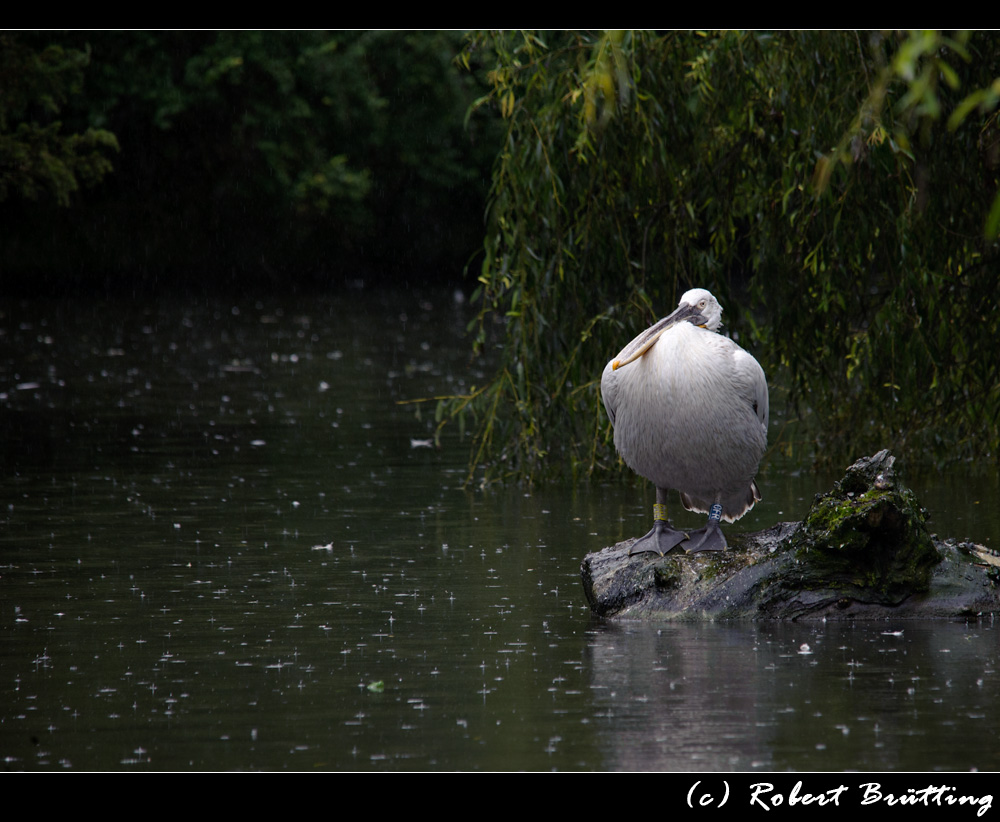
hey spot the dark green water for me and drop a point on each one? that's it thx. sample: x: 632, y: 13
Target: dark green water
x: 223, y: 546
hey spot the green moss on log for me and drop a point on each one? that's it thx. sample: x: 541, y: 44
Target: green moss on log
x: 863, y: 552
x: 867, y: 537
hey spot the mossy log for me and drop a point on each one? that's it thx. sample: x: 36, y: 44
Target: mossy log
x: 862, y: 552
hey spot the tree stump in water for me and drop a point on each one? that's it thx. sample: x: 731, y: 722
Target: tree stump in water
x: 862, y: 552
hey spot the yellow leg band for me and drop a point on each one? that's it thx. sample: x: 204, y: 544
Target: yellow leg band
x: 659, y: 512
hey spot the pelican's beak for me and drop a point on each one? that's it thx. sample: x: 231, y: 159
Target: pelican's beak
x: 647, y: 339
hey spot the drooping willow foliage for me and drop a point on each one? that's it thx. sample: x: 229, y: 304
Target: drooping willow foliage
x: 838, y: 191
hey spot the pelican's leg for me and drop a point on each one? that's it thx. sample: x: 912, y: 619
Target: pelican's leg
x: 710, y: 537
x: 663, y: 538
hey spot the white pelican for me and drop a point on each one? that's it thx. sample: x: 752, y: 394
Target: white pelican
x: 689, y: 408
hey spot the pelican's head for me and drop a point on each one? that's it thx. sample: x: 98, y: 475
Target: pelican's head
x: 697, y: 306
x: 706, y: 305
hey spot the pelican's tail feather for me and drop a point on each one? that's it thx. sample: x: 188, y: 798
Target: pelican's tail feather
x: 732, y: 509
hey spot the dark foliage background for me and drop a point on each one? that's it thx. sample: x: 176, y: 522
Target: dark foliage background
x: 837, y: 191
x: 241, y: 158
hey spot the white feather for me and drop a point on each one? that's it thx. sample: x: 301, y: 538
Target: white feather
x: 691, y: 412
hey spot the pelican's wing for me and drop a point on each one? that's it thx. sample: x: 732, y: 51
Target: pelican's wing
x: 609, y: 391
x: 751, y: 375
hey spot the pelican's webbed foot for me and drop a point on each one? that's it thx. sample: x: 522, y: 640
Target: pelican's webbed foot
x: 709, y: 538
x: 661, y: 540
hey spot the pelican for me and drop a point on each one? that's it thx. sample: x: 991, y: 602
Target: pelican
x: 689, y: 408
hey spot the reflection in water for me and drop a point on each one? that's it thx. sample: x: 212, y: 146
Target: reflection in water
x: 799, y: 697
x: 225, y: 546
